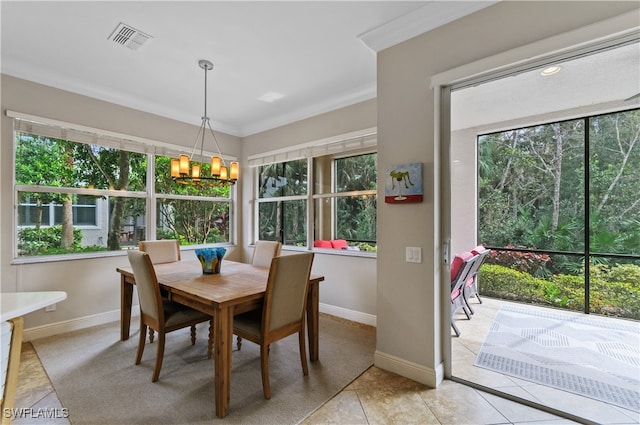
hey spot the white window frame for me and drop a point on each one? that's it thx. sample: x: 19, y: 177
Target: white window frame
x: 82, y: 134
x: 345, y: 145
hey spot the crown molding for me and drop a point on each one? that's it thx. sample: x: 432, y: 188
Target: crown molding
x: 426, y: 18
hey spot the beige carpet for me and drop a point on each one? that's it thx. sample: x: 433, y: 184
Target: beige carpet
x: 94, y: 375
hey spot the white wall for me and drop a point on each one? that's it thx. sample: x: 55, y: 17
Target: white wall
x: 410, y: 314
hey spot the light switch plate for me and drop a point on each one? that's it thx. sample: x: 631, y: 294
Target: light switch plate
x: 413, y: 254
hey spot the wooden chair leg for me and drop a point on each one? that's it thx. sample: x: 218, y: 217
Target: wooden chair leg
x: 159, y: 357
x: 264, y: 363
x: 193, y: 334
x: 303, y: 351
x: 238, y: 342
x: 141, y: 341
x: 210, y: 343
x: 150, y: 335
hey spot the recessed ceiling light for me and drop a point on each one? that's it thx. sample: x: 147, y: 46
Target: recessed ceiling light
x: 271, y: 97
x: 550, y: 70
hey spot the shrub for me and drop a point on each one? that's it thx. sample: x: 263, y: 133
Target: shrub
x: 47, y: 241
x: 614, y: 291
x: 529, y: 262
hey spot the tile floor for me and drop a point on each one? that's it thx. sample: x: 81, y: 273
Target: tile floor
x: 377, y: 396
x: 465, y: 349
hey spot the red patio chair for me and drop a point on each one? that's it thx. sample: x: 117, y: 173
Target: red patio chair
x: 460, y: 268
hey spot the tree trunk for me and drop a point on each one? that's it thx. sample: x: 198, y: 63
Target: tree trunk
x: 117, y: 214
x: 557, y: 178
x: 66, y: 240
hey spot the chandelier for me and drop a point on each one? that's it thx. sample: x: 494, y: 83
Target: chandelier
x: 185, y: 170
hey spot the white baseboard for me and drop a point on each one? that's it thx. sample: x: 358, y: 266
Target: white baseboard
x: 354, y: 316
x: 111, y: 316
x: 76, y: 324
x: 419, y: 373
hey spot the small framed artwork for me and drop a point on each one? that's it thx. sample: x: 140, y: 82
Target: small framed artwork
x: 403, y: 184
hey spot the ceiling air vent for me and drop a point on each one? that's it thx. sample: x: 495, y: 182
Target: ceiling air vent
x: 128, y: 36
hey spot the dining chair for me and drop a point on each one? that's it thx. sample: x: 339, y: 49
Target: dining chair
x: 161, y: 251
x: 283, y: 311
x: 461, y: 266
x: 264, y: 251
x: 162, y: 316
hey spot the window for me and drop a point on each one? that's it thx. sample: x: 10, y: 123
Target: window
x: 331, y: 195
x: 282, y: 203
x: 77, y: 192
x: 345, y: 199
x: 559, y: 203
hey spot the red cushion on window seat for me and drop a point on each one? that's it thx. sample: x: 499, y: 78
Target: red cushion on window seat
x: 322, y: 244
x: 339, y: 243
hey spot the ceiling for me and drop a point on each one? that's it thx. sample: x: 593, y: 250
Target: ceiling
x: 609, y: 79
x: 321, y: 55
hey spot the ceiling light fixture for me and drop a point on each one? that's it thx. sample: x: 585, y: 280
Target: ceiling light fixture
x: 271, y: 97
x: 551, y: 70
x: 185, y: 170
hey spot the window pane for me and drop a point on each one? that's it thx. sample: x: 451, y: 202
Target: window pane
x: 283, y: 179
x: 60, y: 163
x: 109, y: 224
x: 166, y: 185
x: 193, y: 221
x: 531, y: 187
x: 283, y: 221
x: 356, y: 173
x: 614, y: 169
x: 356, y: 219
x: 33, y: 209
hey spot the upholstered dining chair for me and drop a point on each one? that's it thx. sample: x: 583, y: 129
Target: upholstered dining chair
x: 283, y: 312
x: 161, y: 251
x: 162, y: 316
x: 264, y: 251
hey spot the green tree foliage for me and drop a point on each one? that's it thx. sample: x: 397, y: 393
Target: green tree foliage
x: 532, y: 185
x: 533, y: 189
x: 283, y: 220
x: 192, y: 221
x: 356, y: 215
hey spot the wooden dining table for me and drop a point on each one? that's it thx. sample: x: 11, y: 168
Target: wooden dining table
x: 239, y: 287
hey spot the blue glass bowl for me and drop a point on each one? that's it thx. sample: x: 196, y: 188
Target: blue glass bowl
x: 210, y: 259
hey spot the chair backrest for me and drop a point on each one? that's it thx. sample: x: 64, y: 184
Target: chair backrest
x: 482, y: 254
x: 461, y: 268
x: 264, y: 251
x: 458, y: 262
x: 286, y: 294
x: 161, y: 251
x: 147, y: 285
